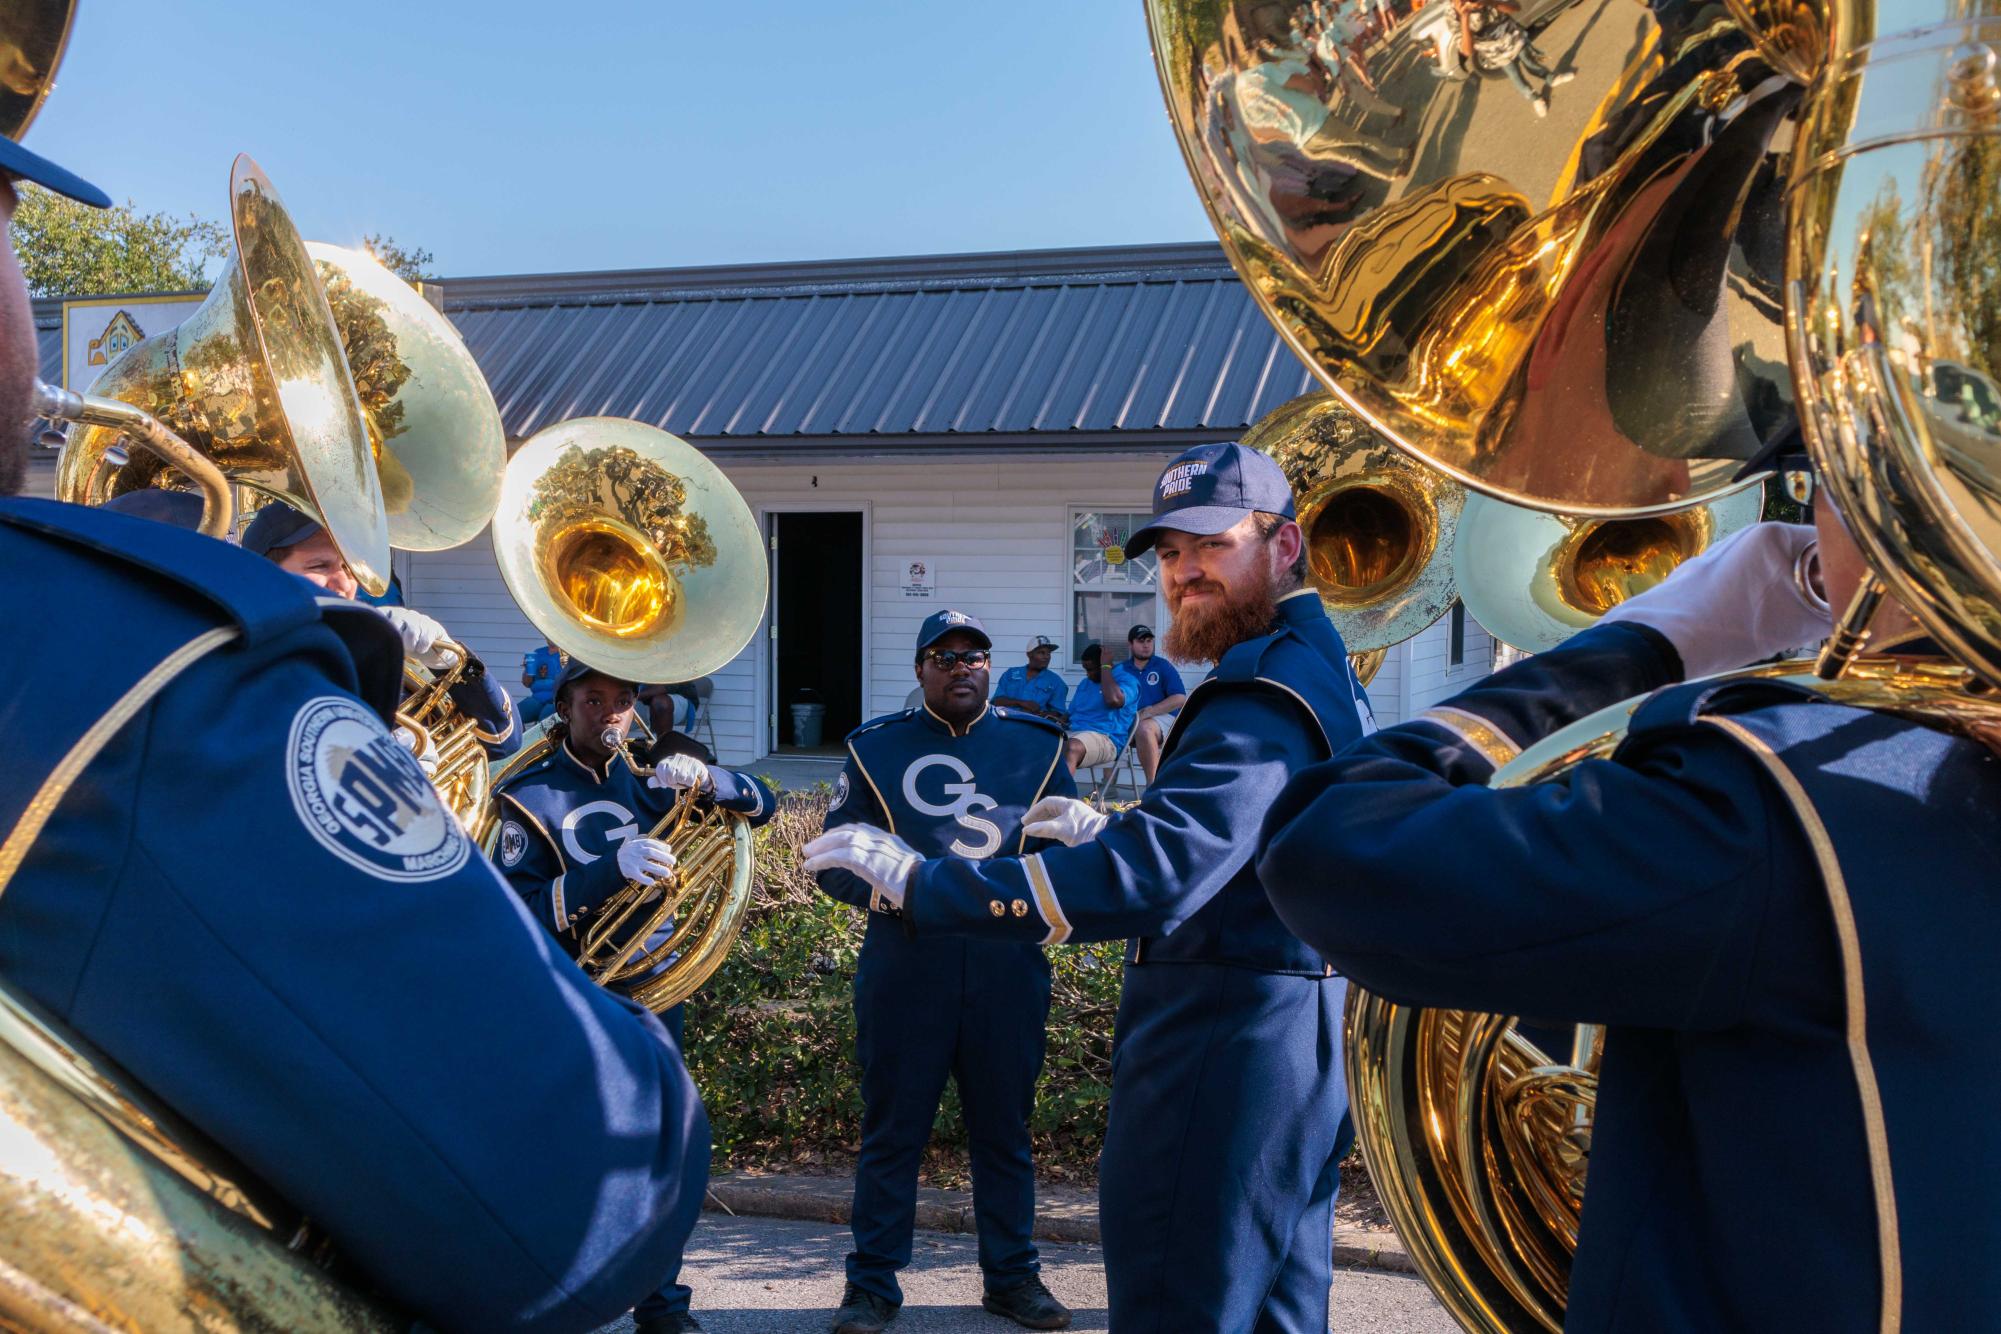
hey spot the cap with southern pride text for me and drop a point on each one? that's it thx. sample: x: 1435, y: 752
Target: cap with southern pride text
x: 1210, y: 489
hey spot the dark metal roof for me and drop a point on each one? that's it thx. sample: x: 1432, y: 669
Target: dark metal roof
x: 1143, y: 347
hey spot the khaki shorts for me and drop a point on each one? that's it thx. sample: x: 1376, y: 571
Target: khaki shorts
x: 1098, y: 749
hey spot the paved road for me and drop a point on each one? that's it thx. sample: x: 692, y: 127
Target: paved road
x: 759, y: 1275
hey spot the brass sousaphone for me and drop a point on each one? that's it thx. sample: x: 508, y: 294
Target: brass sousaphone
x: 1597, y: 299
x: 632, y: 552
x: 252, y: 390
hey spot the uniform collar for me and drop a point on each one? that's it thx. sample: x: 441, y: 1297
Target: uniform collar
x: 935, y: 722
x: 577, y: 763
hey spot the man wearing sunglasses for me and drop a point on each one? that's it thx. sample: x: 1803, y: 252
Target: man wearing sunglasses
x: 1216, y: 1188
x: 953, y: 777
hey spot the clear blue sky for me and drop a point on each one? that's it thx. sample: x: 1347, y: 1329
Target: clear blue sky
x: 508, y: 137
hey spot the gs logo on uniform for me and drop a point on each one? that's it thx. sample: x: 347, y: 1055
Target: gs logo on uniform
x: 364, y: 798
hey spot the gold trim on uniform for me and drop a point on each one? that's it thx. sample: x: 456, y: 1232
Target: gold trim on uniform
x: 862, y: 769
x: 43, y: 805
x: 1045, y: 901
x: 1494, y: 746
x: 1889, y: 1245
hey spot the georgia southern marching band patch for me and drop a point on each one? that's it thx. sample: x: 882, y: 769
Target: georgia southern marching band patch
x: 364, y: 798
x: 513, y: 844
x: 840, y: 791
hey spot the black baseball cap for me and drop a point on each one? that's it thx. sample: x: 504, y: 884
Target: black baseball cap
x: 1210, y: 489
x: 578, y: 669
x: 278, y: 525
x: 941, y: 623
x: 1139, y: 632
x: 179, y: 509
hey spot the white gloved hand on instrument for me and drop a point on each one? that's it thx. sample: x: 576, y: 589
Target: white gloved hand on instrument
x: 646, y: 859
x: 1739, y: 602
x: 1065, y: 819
x: 421, y: 635
x: 680, y: 771
x: 882, y: 859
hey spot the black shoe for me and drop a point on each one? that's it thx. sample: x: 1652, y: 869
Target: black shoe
x: 679, y: 1322
x: 1029, y: 1305
x: 862, y: 1312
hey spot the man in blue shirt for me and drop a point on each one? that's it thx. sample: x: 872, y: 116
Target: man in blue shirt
x: 1161, y: 696
x: 1035, y: 688
x: 540, y: 668
x: 1101, y: 714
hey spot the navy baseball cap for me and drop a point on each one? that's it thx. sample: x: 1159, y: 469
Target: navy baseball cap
x: 1209, y: 489
x: 941, y: 623
x: 578, y: 669
x: 1139, y: 632
x: 180, y: 509
x: 278, y: 525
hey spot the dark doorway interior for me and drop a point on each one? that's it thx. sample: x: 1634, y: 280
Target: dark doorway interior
x: 817, y: 571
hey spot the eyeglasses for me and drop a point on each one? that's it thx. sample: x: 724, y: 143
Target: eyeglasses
x: 945, y: 659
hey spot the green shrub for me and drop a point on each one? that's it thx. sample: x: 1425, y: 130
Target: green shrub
x: 771, y: 1038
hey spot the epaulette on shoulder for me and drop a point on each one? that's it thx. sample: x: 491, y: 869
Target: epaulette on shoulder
x: 541, y: 765
x: 1245, y: 661
x: 1034, y: 719
x: 884, y: 721
x: 262, y: 600
x: 1684, y: 704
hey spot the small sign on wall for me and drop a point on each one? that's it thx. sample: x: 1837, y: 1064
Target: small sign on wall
x: 920, y: 579
x: 98, y: 331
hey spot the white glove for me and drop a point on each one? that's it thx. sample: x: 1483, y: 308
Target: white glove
x: 420, y: 637
x: 679, y: 771
x: 884, y: 860
x: 1065, y: 819
x: 645, y: 859
x: 1739, y: 602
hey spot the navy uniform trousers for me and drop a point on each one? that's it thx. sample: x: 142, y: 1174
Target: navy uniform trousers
x: 561, y: 824
x: 241, y: 896
x: 972, y: 1011
x: 1782, y: 907
x: 1221, y: 1161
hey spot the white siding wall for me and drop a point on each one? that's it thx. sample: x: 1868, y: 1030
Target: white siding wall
x: 997, y: 534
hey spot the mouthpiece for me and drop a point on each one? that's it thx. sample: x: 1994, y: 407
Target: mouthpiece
x: 611, y: 738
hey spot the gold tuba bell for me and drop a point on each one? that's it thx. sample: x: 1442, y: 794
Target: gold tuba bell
x: 1597, y: 300
x: 632, y: 552
x: 1380, y: 530
x: 254, y: 383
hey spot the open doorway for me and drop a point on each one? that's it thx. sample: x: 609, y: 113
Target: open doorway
x: 816, y: 649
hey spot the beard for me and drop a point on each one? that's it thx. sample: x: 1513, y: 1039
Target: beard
x: 1205, y: 632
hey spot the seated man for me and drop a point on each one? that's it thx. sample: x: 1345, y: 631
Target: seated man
x: 1101, y: 712
x: 1035, y: 688
x: 570, y: 838
x: 296, y: 542
x: 539, y: 669
x: 1161, y: 696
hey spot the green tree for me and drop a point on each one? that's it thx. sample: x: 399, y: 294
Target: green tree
x: 68, y: 249
x: 409, y: 265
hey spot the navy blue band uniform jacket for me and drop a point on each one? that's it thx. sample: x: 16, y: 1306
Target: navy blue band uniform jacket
x: 561, y: 823
x: 1779, y: 905
x: 484, y: 700
x: 243, y: 891
x: 1221, y: 1158
x: 974, y: 1011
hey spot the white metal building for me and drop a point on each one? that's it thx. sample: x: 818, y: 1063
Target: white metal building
x: 976, y: 431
